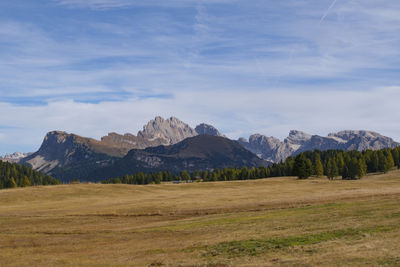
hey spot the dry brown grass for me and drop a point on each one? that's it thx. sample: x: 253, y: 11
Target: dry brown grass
x: 281, y: 221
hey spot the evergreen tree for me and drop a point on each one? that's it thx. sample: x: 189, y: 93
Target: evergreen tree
x: 396, y: 156
x: 318, y: 167
x: 12, y: 183
x: 389, y: 162
x: 332, y: 169
x: 354, y: 168
x: 362, y: 168
x: 185, y: 175
x: 340, y: 163
x: 244, y: 173
x: 25, y: 182
x: 382, y: 164
x: 302, y: 167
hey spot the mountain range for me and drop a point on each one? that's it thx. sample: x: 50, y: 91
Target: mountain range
x: 65, y: 155
x: 272, y: 149
x: 201, y: 152
x: 162, y: 145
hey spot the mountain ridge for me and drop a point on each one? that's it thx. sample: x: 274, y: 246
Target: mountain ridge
x: 60, y: 151
x: 275, y: 150
x: 62, y: 154
x: 201, y: 152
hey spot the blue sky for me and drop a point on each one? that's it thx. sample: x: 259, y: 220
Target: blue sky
x: 96, y: 66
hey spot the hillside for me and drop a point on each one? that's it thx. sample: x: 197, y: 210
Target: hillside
x: 67, y: 156
x: 282, y: 221
x: 15, y: 175
x: 202, y: 152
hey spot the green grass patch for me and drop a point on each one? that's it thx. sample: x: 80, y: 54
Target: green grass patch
x: 254, y: 247
x: 210, y: 221
x: 394, y: 215
x: 391, y: 261
x: 322, y: 206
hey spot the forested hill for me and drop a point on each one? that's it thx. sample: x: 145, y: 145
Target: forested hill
x: 331, y: 163
x: 16, y: 175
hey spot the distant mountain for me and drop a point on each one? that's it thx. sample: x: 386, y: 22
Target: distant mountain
x: 15, y: 157
x: 270, y: 148
x: 208, y: 130
x: 158, y: 132
x: 202, y: 152
x: 68, y: 155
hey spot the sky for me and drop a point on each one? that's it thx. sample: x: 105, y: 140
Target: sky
x: 91, y: 67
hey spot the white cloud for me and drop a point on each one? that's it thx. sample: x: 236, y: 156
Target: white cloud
x: 245, y: 66
x: 109, y: 4
x: 100, y: 4
x: 235, y: 113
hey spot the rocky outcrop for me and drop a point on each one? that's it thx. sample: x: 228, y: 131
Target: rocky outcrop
x: 157, y: 132
x: 167, y: 132
x: 263, y: 146
x: 273, y: 149
x: 208, y: 130
x: 15, y: 157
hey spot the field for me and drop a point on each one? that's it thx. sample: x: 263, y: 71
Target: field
x: 278, y: 221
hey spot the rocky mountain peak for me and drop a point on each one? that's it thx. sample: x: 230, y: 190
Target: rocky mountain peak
x: 56, y: 136
x: 243, y: 140
x: 273, y: 149
x: 208, y: 130
x: 349, y: 134
x: 297, y: 137
x: 170, y: 131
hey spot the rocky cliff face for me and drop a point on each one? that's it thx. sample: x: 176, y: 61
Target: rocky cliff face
x: 168, y: 132
x: 60, y: 149
x: 273, y: 149
x: 157, y: 132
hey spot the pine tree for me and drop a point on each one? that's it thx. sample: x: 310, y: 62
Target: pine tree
x: 318, y: 167
x: 13, y: 184
x: 332, y: 169
x: 244, y: 173
x: 354, y: 168
x: 302, y: 167
x: 340, y: 163
x: 396, y: 156
x: 382, y: 162
x: 25, y: 182
x: 185, y: 175
x: 362, y: 168
x: 389, y: 162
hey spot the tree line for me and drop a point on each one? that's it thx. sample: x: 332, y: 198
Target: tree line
x: 331, y: 163
x: 15, y: 175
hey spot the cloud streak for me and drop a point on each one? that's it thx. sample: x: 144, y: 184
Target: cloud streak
x: 245, y: 66
x: 327, y: 11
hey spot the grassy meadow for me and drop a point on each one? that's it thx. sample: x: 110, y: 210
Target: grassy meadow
x: 270, y: 222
